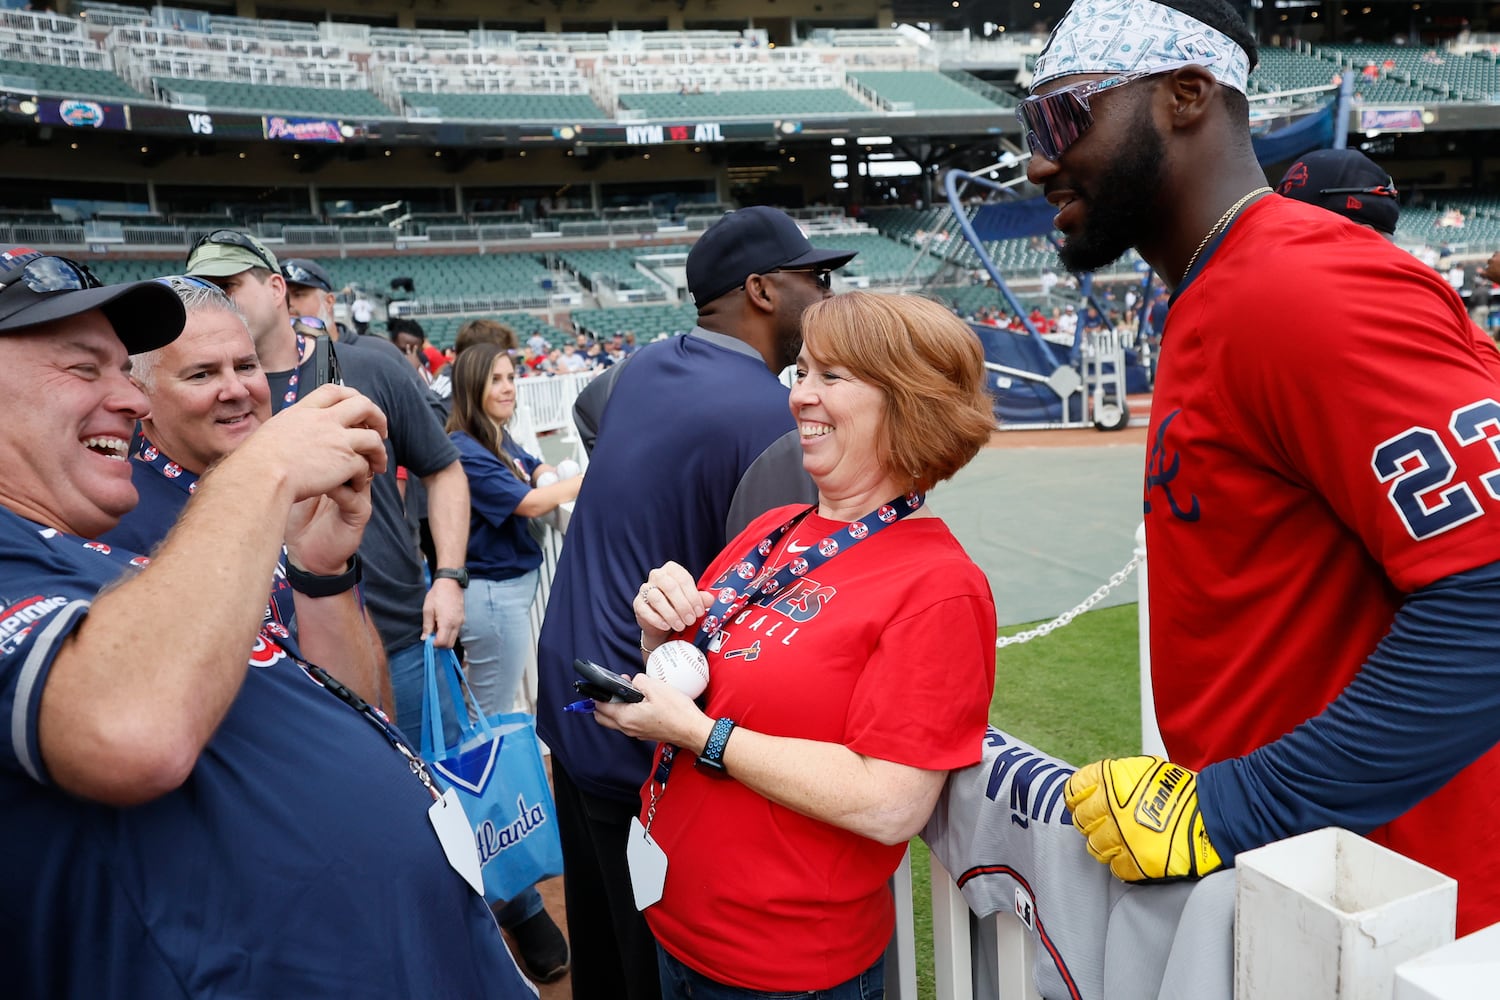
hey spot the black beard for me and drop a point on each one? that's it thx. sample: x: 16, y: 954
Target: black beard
x: 1122, y: 203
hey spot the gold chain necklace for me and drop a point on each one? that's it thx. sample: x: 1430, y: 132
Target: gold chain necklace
x: 1218, y: 226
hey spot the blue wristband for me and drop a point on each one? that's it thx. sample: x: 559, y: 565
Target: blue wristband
x: 712, y: 757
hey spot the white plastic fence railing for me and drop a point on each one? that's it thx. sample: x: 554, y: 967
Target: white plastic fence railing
x: 548, y: 399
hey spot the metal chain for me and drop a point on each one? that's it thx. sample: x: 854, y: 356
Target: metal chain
x: 1067, y: 616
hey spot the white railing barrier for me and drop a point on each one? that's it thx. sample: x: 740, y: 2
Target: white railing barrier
x: 549, y: 398
x: 1151, y: 741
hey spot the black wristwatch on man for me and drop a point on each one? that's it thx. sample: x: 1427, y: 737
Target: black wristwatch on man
x: 459, y: 575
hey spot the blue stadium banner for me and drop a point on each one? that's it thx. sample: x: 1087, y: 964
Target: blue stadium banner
x: 303, y: 129
x: 77, y: 113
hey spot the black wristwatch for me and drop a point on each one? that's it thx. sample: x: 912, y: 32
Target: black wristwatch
x: 315, y: 585
x: 712, y: 757
x: 461, y: 575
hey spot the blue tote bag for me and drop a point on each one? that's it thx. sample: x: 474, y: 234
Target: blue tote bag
x: 495, y: 766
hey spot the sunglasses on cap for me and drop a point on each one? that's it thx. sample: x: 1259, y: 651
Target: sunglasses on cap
x: 1384, y: 190
x: 45, y: 273
x: 299, y: 275
x: 1053, y: 122
x: 188, y: 283
x: 230, y: 238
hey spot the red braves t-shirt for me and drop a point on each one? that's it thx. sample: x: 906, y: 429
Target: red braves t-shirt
x: 1325, y: 438
x: 889, y: 649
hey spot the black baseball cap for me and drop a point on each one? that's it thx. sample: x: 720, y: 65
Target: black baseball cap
x: 754, y: 240
x: 1345, y: 181
x: 301, y: 271
x: 38, y: 288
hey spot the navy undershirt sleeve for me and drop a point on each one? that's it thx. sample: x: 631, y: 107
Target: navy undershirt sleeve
x: 1423, y: 707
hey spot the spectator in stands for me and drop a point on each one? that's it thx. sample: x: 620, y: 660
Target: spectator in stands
x: 697, y: 442
x: 1348, y: 621
x: 838, y: 738
x: 361, y: 312
x: 537, y: 342
x: 405, y: 608
x: 1067, y: 322
x: 507, y: 487
x: 206, y: 827
x: 1347, y: 182
x: 208, y: 394
x: 571, y: 361
x: 629, y: 346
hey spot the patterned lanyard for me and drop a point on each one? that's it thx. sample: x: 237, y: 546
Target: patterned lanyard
x: 290, y: 396
x: 765, y: 583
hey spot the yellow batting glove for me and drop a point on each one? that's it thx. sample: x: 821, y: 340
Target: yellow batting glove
x: 1141, y: 817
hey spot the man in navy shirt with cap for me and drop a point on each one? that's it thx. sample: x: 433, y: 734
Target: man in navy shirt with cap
x: 191, y: 810
x: 694, y: 435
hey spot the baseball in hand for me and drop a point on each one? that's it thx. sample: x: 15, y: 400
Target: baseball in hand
x: 680, y: 664
x: 567, y: 469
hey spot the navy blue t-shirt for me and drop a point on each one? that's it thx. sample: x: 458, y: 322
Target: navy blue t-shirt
x: 161, y: 502
x: 394, y: 585
x: 500, y: 543
x: 297, y: 860
x: 686, y: 419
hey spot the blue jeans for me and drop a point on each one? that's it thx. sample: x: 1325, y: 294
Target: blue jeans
x: 678, y: 982
x: 497, y: 638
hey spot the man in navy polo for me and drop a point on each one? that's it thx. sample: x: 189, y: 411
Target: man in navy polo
x: 189, y: 812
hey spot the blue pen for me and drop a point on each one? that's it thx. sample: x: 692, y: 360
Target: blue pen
x: 586, y: 705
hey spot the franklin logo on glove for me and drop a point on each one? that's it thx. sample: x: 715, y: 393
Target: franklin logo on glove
x: 1141, y: 817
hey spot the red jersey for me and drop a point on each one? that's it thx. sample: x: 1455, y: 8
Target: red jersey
x: 1322, y: 427
x: 889, y: 649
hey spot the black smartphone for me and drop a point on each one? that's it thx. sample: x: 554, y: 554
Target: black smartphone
x: 599, y: 684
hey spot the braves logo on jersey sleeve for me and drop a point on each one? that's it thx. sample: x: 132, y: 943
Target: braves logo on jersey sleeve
x: 1162, y: 472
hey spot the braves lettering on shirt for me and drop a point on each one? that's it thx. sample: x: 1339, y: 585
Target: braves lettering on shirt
x: 765, y: 582
x: 281, y: 612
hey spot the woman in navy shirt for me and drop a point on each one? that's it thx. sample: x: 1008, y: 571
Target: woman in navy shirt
x: 502, y: 561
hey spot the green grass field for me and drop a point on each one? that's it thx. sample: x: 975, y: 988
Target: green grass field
x: 1075, y: 694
